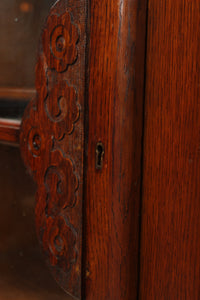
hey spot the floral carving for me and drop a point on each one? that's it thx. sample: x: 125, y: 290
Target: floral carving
x: 59, y: 42
x: 61, y: 106
x: 58, y: 178
x: 35, y: 142
x: 59, y: 241
x: 47, y: 130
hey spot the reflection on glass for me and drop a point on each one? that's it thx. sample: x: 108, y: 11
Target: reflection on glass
x: 21, y: 22
x: 23, y: 275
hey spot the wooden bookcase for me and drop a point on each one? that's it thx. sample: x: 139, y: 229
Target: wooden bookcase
x: 110, y: 136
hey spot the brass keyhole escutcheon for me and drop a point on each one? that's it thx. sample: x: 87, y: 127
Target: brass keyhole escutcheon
x: 99, y: 155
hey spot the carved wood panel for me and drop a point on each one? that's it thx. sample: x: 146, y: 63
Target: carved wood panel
x: 51, y: 141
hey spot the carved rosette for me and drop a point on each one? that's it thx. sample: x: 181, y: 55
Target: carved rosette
x: 47, y: 121
x: 59, y: 42
x: 56, y: 242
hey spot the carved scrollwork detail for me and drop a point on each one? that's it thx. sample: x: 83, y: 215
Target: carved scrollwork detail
x: 59, y: 187
x: 56, y: 239
x: 35, y: 143
x: 61, y: 106
x: 56, y: 183
x: 59, y: 42
x: 47, y: 122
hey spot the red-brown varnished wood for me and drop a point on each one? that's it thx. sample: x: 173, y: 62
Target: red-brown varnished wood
x: 16, y: 93
x: 9, y: 131
x: 115, y: 110
x: 170, y: 237
x: 51, y: 141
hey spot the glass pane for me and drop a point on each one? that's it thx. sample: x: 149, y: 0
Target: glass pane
x: 23, y: 272
x: 21, y: 22
x: 23, y: 275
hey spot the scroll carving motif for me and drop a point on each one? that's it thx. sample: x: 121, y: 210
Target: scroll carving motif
x: 61, y: 37
x: 47, y: 123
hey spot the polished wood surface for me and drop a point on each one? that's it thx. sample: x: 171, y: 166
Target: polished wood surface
x: 170, y: 235
x: 9, y: 131
x: 112, y: 181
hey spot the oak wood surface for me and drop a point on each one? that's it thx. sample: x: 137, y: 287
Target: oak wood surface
x: 170, y: 235
x: 114, y: 114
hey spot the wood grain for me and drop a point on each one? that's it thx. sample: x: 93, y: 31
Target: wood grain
x: 114, y: 114
x: 9, y: 131
x: 170, y: 242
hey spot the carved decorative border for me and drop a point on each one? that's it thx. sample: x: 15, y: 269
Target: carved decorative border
x: 52, y: 128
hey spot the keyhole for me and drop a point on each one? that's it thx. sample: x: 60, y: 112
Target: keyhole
x: 99, y: 156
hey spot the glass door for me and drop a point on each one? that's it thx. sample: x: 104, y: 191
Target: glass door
x: 23, y: 273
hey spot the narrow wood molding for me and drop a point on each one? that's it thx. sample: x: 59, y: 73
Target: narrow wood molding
x: 9, y: 131
x: 10, y: 93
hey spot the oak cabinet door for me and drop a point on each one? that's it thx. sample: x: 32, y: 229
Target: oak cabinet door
x: 80, y: 136
x: 99, y: 99
x: 170, y: 229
